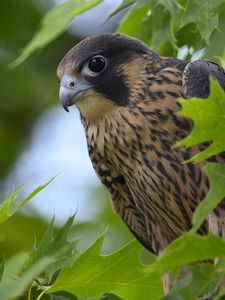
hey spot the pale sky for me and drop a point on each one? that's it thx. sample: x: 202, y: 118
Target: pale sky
x: 57, y: 146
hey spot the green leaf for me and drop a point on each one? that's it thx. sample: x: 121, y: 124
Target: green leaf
x: 53, y: 24
x: 120, y: 273
x: 193, y: 285
x: 12, y: 284
x: 13, y: 267
x: 11, y: 204
x: 204, y: 13
x: 2, y: 267
x: 213, y: 284
x: 122, y: 5
x: 58, y: 246
x: 216, y: 193
x: 63, y: 296
x: 187, y: 249
x: 136, y: 22
x: 220, y: 296
x: 110, y: 297
x: 209, y: 122
x: 42, y: 264
x: 142, y: 21
x: 163, y: 27
x: 172, y: 297
x: 217, y: 43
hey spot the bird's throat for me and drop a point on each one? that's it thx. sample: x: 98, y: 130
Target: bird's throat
x: 94, y: 106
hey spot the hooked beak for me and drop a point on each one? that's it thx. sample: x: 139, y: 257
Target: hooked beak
x: 71, y: 90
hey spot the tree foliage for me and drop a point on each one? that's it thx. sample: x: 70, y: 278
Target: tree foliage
x: 55, y: 268
x: 163, y: 25
x: 208, y: 117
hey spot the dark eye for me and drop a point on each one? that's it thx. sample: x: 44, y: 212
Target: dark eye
x: 97, y: 64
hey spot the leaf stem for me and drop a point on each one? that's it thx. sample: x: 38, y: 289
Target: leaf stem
x: 29, y: 292
x: 41, y: 294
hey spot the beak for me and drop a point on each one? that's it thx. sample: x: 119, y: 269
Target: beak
x: 71, y: 90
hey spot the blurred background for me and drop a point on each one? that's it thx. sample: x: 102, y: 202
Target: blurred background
x: 40, y: 140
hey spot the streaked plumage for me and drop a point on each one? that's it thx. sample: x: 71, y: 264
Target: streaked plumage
x: 129, y: 112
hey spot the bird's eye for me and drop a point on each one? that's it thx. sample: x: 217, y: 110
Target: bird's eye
x: 97, y: 64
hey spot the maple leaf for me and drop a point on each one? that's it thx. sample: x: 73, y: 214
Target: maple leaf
x: 121, y: 273
x: 204, y: 13
x: 209, y: 122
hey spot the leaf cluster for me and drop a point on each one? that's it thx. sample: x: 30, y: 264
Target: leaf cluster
x: 165, y: 25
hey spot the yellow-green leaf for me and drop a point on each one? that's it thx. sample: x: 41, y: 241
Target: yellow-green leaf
x: 53, y: 24
x: 11, y: 204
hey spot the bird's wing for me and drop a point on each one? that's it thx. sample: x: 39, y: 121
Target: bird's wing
x: 196, y: 78
x: 121, y: 198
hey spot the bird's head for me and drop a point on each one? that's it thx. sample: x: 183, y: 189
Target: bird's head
x: 103, y: 72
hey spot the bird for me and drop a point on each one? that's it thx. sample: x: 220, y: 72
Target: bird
x: 127, y: 96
